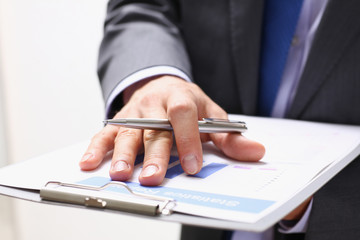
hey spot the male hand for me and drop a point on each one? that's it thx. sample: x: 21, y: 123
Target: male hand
x: 181, y: 102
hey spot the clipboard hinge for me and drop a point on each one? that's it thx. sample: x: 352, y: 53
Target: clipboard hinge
x: 95, y: 202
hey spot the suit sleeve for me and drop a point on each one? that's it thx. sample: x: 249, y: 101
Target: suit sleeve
x: 138, y: 35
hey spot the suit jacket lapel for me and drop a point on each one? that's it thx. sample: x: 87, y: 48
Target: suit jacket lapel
x: 245, y: 30
x: 337, y: 29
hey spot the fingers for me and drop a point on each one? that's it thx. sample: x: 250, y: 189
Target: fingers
x: 157, y: 146
x: 127, y: 144
x: 183, y: 104
x: 100, y: 144
x: 183, y: 115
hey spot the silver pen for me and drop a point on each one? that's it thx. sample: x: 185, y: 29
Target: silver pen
x: 207, y: 125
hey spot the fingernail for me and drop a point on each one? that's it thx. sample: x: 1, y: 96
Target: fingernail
x: 149, y: 171
x: 87, y: 157
x: 190, y: 164
x: 120, y: 166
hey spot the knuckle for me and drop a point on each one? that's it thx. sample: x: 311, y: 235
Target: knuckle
x: 102, y: 136
x: 147, y: 99
x: 95, y: 138
x: 151, y: 135
x: 185, y: 140
x: 196, y: 87
x: 154, y: 157
x: 126, y: 133
x: 181, y: 106
x: 155, y: 135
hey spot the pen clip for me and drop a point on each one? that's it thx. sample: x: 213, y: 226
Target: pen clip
x: 222, y: 121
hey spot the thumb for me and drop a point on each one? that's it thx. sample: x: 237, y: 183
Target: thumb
x: 238, y: 147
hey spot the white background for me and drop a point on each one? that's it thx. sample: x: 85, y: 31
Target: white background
x: 50, y: 98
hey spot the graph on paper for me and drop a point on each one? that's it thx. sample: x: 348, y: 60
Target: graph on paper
x: 175, y: 168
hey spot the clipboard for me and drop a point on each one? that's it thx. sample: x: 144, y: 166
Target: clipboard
x: 51, y: 188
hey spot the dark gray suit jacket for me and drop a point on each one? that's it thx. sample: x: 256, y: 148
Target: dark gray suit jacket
x: 217, y: 43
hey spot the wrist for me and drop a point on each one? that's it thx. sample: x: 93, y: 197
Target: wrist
x: 298, y: 212
x: 129, y: 91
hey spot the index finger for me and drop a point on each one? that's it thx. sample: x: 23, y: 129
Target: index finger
x: 99, y: 146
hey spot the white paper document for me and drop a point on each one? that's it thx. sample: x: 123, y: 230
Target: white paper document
x: 300, y: 157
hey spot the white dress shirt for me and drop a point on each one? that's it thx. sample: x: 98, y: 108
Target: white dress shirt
x: 309, y: 20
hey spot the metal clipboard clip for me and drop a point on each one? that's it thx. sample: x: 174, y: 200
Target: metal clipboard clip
x: 89, y: 196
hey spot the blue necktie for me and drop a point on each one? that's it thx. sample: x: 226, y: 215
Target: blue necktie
x: 280, y: 19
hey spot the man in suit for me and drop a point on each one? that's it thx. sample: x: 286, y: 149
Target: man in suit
x: 153, y: 51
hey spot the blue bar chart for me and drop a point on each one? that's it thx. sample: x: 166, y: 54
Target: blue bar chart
x: 140, y: 158
x: 176, y: 170
x: 210, y: 169
x: 205, y: 172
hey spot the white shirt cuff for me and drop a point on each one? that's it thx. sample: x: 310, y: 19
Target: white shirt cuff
x: 300, y: 226
x: 141, y: 75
